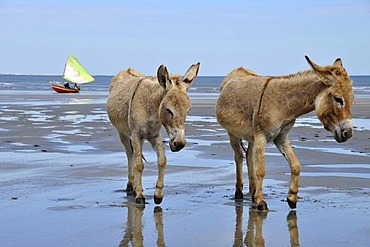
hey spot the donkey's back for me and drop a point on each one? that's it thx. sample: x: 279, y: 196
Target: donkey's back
x: 123, y: 79
x: 121, y: 90
x: 241, y: 87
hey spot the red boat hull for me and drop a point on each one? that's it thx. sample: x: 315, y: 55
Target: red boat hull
x: 61, y: 89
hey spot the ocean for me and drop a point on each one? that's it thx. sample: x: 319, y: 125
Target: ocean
x: 202, y: 84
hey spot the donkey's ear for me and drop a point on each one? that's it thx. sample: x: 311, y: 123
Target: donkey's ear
x: 191, y: 74
x: 325, y: 75
x: 338, y: 62
x: 163, y: 77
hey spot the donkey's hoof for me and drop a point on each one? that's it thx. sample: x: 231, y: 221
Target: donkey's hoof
x: 262, y: 207
x: 291, y: 204
x: 140, y: 200
x: 238, y: 194
x: 129, y: 189
x: 158, y: 200
x: 253, y: 200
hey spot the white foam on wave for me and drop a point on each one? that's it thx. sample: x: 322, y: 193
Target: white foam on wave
x: 9, y: 118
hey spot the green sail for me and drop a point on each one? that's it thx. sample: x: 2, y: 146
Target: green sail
x: 74, y: 72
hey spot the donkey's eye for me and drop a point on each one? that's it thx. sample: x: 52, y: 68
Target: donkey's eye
x: 339, y: 100
x: 169, y: 112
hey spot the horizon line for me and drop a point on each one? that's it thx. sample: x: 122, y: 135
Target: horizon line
x: 30, y: 74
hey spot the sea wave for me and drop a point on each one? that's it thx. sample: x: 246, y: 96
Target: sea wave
x: 6, y: 84
x: 202, y: 84
x: 361, y: 88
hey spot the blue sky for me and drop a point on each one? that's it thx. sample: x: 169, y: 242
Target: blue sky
x: 269, y: 37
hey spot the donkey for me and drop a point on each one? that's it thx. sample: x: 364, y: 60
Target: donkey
x: 137, y: 106
x: 261, y: 109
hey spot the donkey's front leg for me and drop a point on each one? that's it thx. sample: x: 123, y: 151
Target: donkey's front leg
x: 283, y: 144
x: 162, y: 160
x: 259, y: 148
x: 137, y: 144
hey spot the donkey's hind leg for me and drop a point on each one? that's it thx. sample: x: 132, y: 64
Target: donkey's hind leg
x: 238, y: 156
x: 251, y: 170
x: 126, y: 141
x: 138, y: 168
x: 259, y: 147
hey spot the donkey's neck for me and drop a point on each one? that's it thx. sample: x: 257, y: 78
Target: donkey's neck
x: 157, y: 94
x: 150, y: 95
x: 300, y: 92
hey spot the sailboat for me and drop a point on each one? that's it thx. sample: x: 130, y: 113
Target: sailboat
x: 75, y: 73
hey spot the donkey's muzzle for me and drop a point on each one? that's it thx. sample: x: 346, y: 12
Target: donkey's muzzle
x: 343, y: 131
x: 177, y: 139
x: 176, y: 146
x: 343, y: 135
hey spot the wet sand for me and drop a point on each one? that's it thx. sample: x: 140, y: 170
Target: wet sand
x: 63, y: 171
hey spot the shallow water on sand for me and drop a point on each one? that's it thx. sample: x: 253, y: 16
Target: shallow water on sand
x: 79, y: 201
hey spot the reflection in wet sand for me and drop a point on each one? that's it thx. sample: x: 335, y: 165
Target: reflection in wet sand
x: 159, y: 226
x: 133, y: 235
x: 293, y: 228
x: 238, y: 238
x: 254, y: 235
x: 133, y: 232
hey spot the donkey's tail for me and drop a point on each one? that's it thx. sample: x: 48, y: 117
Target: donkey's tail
x: 132, y: 150
x: 242, y: 146
x: 142, y: 156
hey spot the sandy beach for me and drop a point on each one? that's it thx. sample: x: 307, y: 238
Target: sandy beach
x: 63, y: 171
